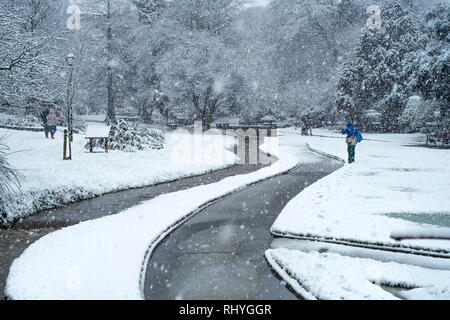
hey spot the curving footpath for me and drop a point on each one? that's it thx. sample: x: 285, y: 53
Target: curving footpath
x: 219, y: 253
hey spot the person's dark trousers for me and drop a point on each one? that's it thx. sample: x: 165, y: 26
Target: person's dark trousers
x: 351, y: 154
x: 46, y: 131
x: 52, y: 130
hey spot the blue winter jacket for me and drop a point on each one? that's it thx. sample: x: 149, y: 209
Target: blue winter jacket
x: 351, y: 131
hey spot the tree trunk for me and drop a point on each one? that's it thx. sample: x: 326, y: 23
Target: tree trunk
x: 147, y: 112
x: 111, y: 112
x: 207, y: 111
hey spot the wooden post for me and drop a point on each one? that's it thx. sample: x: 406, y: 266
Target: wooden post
x: 65, y: 145
x: 247, y: 150
x: 257, y: 146
x: 70, y: 146
x: 106, y: 145
x: 91, y: 146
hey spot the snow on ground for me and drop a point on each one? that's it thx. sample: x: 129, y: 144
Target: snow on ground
x: 103, y: 258
x: 360, y: 252
x: 392, y: 187
x: 332, y: 276
x: 48, y: 181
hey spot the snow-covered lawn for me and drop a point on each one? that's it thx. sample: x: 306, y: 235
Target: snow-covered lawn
x: 332, y: 276
x: 48, y: 181
x: 392, y: 187
x: 104, y: 258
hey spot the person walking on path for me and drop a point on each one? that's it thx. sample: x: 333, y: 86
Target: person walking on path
x: 52, y: 121
x: 44, y: 115
x: 353, y: 138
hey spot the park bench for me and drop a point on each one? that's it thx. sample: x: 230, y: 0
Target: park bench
x: 438, y: 137
x: 97, y: 132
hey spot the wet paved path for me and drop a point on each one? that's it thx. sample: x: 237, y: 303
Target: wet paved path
x: 219, y: 253
x: 15, y: 240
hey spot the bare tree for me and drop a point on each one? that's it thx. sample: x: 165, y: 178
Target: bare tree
x: 30, y: 59
x: 206, y: 107
x: 111, y: 112
x: 108, y: 23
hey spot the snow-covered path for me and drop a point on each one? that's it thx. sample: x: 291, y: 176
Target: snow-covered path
x: 102, y: 259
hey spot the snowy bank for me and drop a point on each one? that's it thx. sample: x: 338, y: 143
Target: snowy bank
x: 332, y: 276
x: 104, y: 258
x: 393, y: 186
x: 48, y: 181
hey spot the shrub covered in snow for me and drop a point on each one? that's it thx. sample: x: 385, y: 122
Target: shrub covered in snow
x: 79, y: 125
x: 8, y: 184
x: 28, y: 121
x: 129, y: 137
x: 416, y: 115
x: 432, y: 65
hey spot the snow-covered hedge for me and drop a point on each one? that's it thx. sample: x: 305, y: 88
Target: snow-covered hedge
x: 29, y: 202
x: 129, y: 137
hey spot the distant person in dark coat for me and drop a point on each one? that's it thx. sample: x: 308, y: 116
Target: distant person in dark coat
x: 52, y: 121
x: 44, y: 115
x: 353, y: 138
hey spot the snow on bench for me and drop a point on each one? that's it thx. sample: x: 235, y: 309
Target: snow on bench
x: 97, y: 132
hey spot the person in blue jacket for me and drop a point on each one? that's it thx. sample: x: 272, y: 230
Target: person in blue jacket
x: 353, y: 138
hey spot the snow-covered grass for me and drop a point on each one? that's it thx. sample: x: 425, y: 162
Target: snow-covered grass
x: 317, y: 275
x: 48, y: 181
x: 392, y: 187
x: 104, y: 258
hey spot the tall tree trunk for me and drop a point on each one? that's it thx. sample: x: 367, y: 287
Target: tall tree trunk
x: 111, y: 112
